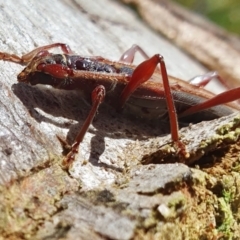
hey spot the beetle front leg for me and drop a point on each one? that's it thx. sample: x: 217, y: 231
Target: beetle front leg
x: 29, y: 56
x: 98, y: 95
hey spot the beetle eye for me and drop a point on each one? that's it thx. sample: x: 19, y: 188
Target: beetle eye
x: 59, y: 59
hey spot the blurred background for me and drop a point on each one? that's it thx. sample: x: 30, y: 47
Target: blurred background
x: 225, y: 13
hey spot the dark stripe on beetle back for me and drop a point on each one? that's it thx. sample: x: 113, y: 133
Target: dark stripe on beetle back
x: 90, y: 65
x: 86, y: 64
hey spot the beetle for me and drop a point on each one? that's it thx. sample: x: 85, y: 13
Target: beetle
x: 145, y: 89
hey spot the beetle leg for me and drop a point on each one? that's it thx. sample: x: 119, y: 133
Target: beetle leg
x: 129, y: 55
x: 222, y: 98
x: 98, y: 95
x: 203, y: 80
x: 29, y: 56
x: 10, y: 57
x: 141, y: 74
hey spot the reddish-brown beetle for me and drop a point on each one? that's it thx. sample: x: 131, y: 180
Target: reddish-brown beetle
x: 149, y: 92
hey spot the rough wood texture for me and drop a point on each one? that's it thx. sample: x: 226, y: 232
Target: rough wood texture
x: 107, y: 194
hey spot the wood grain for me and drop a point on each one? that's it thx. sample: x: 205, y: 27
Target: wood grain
x: 105, y: 195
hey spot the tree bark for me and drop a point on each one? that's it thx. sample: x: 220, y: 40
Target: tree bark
x: 107, y: 193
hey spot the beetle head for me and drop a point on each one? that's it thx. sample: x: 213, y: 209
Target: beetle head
x: 31, y: 74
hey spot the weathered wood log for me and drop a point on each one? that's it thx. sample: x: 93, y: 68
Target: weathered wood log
x: 107, y: 193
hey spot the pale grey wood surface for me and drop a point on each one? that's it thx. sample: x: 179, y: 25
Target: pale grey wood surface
x: 210, y: 44
x: 96, y: 198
